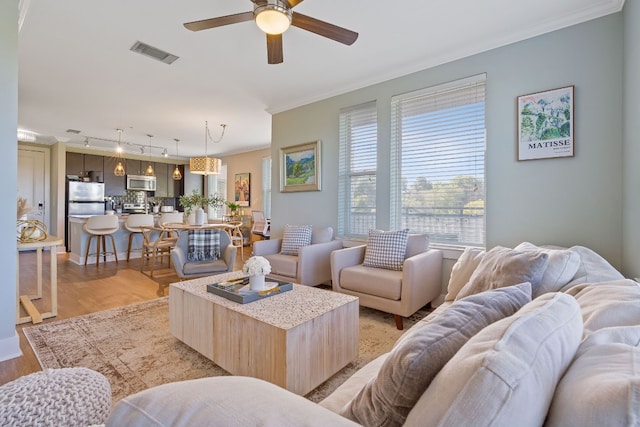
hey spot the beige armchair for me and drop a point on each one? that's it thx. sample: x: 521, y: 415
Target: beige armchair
x: 190, y: 269
x: 310, y: 267
x: 400, y: 293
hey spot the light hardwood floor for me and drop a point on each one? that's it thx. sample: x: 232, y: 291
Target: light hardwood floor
x: 87, y: 289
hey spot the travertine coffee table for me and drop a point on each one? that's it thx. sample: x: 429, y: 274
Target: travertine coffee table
x: 297, y: 339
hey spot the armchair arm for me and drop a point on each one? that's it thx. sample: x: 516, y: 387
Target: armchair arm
x: 266, y: 247
x: 229, y: 255
x: 343, y: 258
x: 179, y: 257
x: 421, y: 280
x: 314, y: 262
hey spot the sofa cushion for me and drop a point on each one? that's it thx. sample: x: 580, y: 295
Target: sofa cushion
x: 420, y: 354
x: 204, y: 267
x: 372, y: 281
x: 602, y: 385
x: 462, y: 270
x: 608, y: 304
x: 386, y: 249
x: 416, y: 244
x: 504, y: 267
x: 562, y: 266
x: 506, y: 374
x: 593, y: 268
x: 321, y: 235
x: 295, y: 237
x: 283, y: 265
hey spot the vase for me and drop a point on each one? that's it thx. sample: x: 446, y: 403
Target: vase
x: 256, y: 283
x: 200, y: 218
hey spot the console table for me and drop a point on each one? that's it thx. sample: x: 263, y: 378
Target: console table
x: 34, y: 315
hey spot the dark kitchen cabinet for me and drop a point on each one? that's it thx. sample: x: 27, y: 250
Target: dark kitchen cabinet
x: 133, y: 167
x: 93, y: 163
x: 75, y: 164
x: 162, y: 187
x: 113, y: 185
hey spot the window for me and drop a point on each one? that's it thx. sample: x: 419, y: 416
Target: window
x: 437, y: 161
x: 357, y: 170
x: 266, y: 186
x: 217, y: 184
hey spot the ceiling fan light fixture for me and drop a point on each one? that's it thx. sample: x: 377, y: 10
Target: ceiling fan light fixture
x: 272, y: 18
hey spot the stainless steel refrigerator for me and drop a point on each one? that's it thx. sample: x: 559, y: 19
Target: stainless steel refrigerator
x: 83, y: 199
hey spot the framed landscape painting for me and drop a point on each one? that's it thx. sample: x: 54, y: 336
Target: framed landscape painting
x: 300, y: 168
x: 242, y: 185
x: 545, y: 124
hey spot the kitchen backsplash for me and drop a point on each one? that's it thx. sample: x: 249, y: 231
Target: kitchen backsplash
x: 139, y: 197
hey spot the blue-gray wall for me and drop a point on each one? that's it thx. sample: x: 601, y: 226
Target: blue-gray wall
x: 567, y: 201
x: 631, y: 147
x: 9, y: 342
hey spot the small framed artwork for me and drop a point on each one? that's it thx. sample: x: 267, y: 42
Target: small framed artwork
x: 545, y: 124
x: 242, y: 186
x: 300, y: 168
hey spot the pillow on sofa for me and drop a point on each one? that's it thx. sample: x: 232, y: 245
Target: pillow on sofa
x: 602, y: 385
x: 562, y: 266
x: 505, y: 267
x: 462, y: 271
x: 386, y: 249
x: 420, y: 353
x: 294, y: 238
x: 507, y: 373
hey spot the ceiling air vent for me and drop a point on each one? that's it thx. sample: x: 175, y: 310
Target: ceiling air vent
x: 75, y: 131
x: 153, y: 52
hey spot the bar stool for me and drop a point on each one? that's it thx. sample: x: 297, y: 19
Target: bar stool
x: 100, y: 226
x: 133, y: 224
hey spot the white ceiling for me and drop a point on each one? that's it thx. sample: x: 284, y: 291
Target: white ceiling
x: 77, y: 72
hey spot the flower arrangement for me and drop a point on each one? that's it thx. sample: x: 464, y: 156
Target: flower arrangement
x: 257, y: 266
x: 233, y: 207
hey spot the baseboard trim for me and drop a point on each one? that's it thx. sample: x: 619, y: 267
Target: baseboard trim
x: 10, y: 347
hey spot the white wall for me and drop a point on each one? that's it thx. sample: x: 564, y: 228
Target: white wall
x: 631, y: 215
x: 9, y: 341
x: 567, y: 201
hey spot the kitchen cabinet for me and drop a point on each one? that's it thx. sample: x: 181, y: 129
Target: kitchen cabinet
x: 133, y: 167
x: 93, y: 163
x: 113, y: 185
x: 75, y: 164
x: 162, y: 185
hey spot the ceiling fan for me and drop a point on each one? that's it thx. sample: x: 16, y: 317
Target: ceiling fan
x: 274, y: 17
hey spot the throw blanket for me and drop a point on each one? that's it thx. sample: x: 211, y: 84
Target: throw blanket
x: 204, y: 245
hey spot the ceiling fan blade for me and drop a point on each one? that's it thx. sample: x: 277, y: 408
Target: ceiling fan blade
x: 324, y: 29
x: 293, y: 3
x: 205, y: 24
x: 274, y: 48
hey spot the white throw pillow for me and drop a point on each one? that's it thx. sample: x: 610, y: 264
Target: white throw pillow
x: 602, y: 385
x: 507, y: 373
x: 563, y: 265
x: 462, y: 271
x: 294, y: 238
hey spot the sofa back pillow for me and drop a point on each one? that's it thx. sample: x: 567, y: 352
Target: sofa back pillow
x: 420, y: 354
x: 386, y: 249
x: 562, y: 266
x: 602, y: 385
x: 462, y: 270
x: 505, y: 267
x: 507, y: 373
x: 294, y: 238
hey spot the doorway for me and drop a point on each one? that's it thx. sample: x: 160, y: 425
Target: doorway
x: 33, y: 182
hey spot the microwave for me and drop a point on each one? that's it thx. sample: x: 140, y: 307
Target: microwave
x: 141, y: 182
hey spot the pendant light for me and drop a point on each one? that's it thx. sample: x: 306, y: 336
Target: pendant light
x: 119, y: 170
x: 176, y: 175
x: 149, y: 171
x: 206, y: 165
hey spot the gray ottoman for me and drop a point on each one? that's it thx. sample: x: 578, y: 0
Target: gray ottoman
x: 56, y: 397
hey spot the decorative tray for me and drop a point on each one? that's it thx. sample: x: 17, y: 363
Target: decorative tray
x: 238, y: 290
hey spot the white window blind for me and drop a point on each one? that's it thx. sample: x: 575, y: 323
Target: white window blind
x: 438, y: 162
x: 266, y: 186
x: 217, y: 184
x: 357, y: 170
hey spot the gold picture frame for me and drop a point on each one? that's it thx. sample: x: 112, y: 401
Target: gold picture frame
x: 300, y: 168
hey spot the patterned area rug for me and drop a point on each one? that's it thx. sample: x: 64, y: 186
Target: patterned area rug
x: 133, y: 348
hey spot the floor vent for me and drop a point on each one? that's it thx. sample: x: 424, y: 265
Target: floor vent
x: 153, y: 52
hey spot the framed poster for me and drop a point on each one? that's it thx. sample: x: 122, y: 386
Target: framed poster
x: 242, y: 185
x: 300, y: 168
x: 545, y: 124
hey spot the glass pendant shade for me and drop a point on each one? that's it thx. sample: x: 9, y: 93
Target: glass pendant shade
x: 177, y: 175
x: 149, y: 171
x: 119, y: 170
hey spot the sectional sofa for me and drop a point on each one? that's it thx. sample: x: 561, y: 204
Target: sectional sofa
x: 528, y: 336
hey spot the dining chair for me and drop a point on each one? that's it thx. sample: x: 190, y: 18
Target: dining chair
x: 158, y: 242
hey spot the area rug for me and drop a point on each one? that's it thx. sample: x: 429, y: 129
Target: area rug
x: 133, y: 348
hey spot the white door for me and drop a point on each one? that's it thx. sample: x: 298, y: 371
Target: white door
x: 33, y: 182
